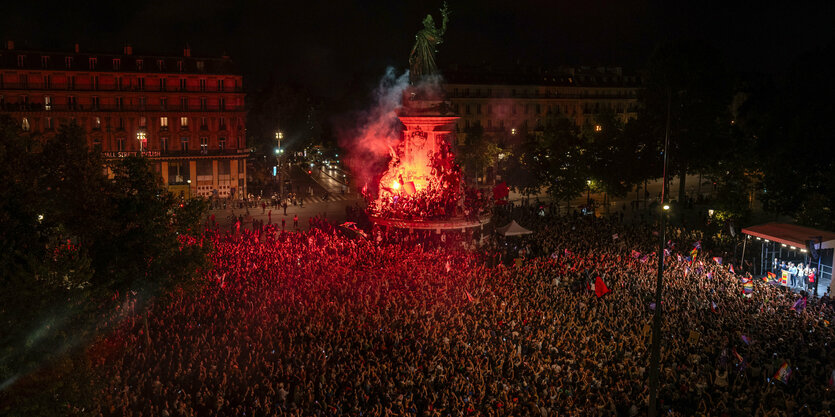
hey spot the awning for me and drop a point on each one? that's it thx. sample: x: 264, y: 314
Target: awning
x: 792, y: 235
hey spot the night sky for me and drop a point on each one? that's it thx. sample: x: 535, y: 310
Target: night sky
x: 337, y: 50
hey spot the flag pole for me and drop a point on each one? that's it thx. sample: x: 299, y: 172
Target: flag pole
x: 655, y: 355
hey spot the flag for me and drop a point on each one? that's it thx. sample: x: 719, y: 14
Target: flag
x: 783, y: 373
x: 667, y: 252
x: 714, y: 307
x: 737, y: 356
x: 469, y: 296
x: 745, y: 339
x: 710, y: 275
x: 636, y: 254
x: 644, y: 258
x: 784, y: 277
x: 770, y: 276
x: 748, y: 287
x: 732, y: 269
x: 686, y: 270
x: 718, y: 259
x: 600, y: 287
x: 679, y: 257
x: 694, y: 252
x: 615, y: 236
x: 799, y: 305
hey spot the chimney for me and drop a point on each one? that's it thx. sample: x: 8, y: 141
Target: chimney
x: 187, y: 51
x: 128, y: 50
x: 76, y: 48
x: 10, y: 45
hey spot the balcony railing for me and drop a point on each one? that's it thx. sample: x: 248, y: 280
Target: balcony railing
x: 111, y: 108
x: 112, y: 87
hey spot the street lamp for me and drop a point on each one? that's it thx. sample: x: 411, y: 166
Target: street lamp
x: 588, y: 193
x: 141, y: 136
x: 278, y: 137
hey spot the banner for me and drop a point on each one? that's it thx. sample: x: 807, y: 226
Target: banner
x: 784, y: 277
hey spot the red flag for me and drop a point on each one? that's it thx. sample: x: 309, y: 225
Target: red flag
x: 469, y: 296
x: 600, y: 287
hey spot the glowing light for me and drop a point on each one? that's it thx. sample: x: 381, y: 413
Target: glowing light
x: 513, y: 131
x: 666, y: 206
x: 395, y: 185
x: 598, y: 128
x: 793, y: 247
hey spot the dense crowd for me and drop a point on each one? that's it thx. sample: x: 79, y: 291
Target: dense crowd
x: 331, y: 323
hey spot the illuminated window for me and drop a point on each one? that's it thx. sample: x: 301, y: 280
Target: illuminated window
x: 184, y: 122
x: 513, y: 131
x: 598, y: 128
x: 47, y: 103
x: 97, y: 123
x: 204, y: 144
x: 163, y: 123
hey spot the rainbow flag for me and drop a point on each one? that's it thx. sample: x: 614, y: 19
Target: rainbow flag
x: 694, y: 252
x: 783, y: 373
x: 732, y: 269
x: 718, y: 259
x: 770, y: 276
x: 748, y: 287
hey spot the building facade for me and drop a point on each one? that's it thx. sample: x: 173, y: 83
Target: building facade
x: 513, y: 103
x: 186, y: 114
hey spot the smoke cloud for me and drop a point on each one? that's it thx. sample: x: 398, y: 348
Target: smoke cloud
x: 369, y: 144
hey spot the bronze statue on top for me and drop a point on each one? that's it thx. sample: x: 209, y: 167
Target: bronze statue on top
x: 422, y: 58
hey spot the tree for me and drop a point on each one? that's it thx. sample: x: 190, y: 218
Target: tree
x: 525, y: 167
x: 610, y: 155
x: 74, y: 243
x: 565, y: 152
x: 691, y: 80
x: 479, y: 152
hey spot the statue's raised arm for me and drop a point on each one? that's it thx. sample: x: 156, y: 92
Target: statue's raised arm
x: 422, y: 57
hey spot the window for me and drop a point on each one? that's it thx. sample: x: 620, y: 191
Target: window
x: 184, y: 103
x: 121, y: 125
x: 139, y: 64
x: 160, y: 65
x: 117, y: 63
x: 222, y: 104
x: 489, y: 109
x: 120, y: 144
x: 467, y: 109
x: 163, y: 143
x: 140, y: 83
x: 45, y: 61
x: 178, y: 172
x: 96, y: 145
x: 202, y: 84
x: 219, y: 85
x: 180, y: 65
x: 538, y: 109
x: 95, y: 103
x: 118, y: 103
x: 204, y: 123
x: 221, y: 143
x: 93, y: 62
x: 48, y: 123
x: 94, y: 82
x: 97, y: 123
x: 184, y: 123
x: 478, y: 108
x: 119, y: 83
x: 203, y: 104
x: 162, y: 84
x: 47, y: 81
x: 47, y: 103
x: 184, y: 143
x: 68, y: 61
x: 21, y: 61
x: 204, y: 145
x: 71, y: 82
x: 142, y: 103
x: 71, y: 102
x: 163, y: 103
x: 222, y: 123
x: 143, y: 122
x: 201, y: 66
x: 163, y: 123
x: 182, y: 84
x: 24, y: 80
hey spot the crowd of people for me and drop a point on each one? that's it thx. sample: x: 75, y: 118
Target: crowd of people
x: 332, y: 323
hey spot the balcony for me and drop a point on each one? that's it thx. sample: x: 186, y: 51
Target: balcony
x: 113, y: 87
x: 197, y: 153
x: 36, y: 107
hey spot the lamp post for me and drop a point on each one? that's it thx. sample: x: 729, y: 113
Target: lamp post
x: 588, y: 194
x: 141, y: 136
x: 278, y: 137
